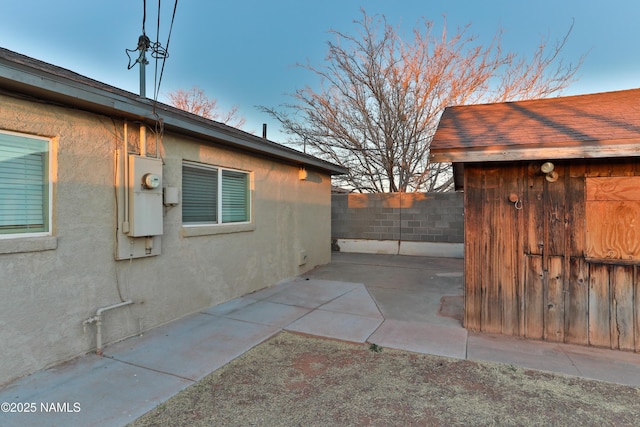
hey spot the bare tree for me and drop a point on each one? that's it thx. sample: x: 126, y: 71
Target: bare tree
x: 380, y: 98
x: 197, y: 102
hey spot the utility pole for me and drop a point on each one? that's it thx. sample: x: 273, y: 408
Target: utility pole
x: 143, y: 45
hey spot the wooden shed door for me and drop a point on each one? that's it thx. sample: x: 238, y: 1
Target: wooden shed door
x: 546, y: 220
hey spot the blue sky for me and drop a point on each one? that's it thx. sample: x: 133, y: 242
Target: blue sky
x: 243, y: 52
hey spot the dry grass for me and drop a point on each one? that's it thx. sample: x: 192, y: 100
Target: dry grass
x: 294, y: 380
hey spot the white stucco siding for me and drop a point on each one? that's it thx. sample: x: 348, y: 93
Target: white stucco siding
x: 49, y: 286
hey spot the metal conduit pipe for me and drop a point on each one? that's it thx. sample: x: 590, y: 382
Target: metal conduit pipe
x: 143, y: 140
x: 125, y: 169
x: 97, y: 319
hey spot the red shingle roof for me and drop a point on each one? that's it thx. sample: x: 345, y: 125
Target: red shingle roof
x: 577, y: 126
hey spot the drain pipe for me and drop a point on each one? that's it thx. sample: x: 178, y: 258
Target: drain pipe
x: 97, y: 319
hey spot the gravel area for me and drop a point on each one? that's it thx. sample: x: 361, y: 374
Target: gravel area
x: 296, y: 380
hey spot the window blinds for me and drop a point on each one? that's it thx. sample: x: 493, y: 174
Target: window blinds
x: 23, y: 184
x: 199, y: 194
x: 234, y: 196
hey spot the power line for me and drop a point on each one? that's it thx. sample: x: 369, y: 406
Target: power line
x: 165, y: 54
x: 144, y: 14
x: 157, y: 50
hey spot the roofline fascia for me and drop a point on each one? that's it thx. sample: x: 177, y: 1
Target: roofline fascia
x: 581, y: 150
x: 18, y: 77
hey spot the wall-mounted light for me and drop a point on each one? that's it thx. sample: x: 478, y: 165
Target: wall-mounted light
x: 302, y: 174
x: 552, y: 176
x: 548, y: 168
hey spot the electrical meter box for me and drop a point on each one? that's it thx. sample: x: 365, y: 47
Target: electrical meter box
x: 145, y: 196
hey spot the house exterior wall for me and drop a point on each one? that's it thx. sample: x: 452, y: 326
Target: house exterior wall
x: 538, y: 264
x: 50, y: 285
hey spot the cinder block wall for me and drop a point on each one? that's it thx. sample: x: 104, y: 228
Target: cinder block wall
x: 411, y: 217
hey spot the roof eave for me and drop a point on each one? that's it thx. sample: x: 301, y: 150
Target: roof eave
x: 568, y: 150
x: 20, y: 78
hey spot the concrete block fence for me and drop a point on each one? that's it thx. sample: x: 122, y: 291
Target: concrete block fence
x: 420, y: 223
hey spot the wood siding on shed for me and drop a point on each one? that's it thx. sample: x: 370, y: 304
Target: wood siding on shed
x: 543, y: 266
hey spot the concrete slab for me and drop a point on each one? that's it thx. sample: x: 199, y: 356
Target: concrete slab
x: 411, y: 306
x: 340, y: 300
x: 269, y: 313
x: 230, y: 306
x: 192, y: 347
x: 272, y: 290
x: 419, y: 337
x: 399, y: 273
x: 338, y: 259
x: 357, y: 301
x: 343, y: 326
x: 312, y: 293
x: 95, y: 390
x: 605, y: 365
x: 389, y: 247
x: 520, y: 352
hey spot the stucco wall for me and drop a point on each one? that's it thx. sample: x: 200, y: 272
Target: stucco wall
x: 50, y: 285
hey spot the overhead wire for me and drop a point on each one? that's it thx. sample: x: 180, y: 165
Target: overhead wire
x: 161, y: 53
x: 165, y: 53
x: 158, y: 52
x: 144, y: 15
x: 156, y: 86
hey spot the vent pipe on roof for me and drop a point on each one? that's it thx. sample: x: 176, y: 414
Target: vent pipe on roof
x: 264, y: 130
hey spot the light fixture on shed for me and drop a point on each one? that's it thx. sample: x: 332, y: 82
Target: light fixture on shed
x: 548, y: 168
x: 552, y: 176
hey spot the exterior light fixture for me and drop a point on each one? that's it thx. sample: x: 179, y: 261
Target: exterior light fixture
x: 552, y: 176
x: 547, y: 167
x: 302, y: 174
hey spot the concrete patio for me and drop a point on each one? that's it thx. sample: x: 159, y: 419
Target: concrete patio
x: 403, y: 302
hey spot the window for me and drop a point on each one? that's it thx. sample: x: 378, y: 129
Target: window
x: 24, y: 185
x: 212, y: 195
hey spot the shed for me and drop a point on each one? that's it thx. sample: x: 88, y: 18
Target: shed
x: 552, y: 216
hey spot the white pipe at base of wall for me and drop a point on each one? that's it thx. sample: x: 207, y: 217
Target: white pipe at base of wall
x: 97, y: 319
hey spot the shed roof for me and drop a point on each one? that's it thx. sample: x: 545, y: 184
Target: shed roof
x: 26, y: 76
x: 581, y: 126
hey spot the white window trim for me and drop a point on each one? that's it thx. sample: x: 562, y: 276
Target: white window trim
x: 49, y: 213
x: 219, y: 227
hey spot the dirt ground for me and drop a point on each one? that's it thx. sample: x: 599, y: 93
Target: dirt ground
x: 295, y: 380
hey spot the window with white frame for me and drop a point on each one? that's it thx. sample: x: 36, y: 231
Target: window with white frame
x: 214, y: 195
x: 24, y: 184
